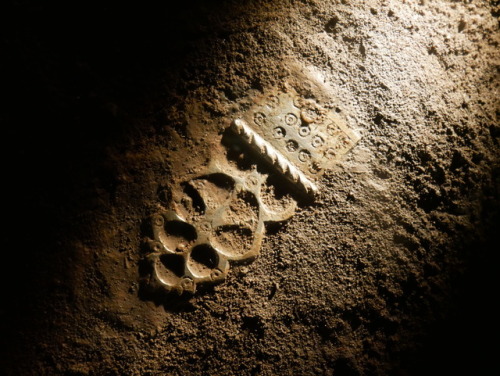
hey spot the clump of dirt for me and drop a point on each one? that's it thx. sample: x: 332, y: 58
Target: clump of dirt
x: 388, y: 271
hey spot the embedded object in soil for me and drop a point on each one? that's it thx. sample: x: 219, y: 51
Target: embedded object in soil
x: 223, y: 231
x: 299, y: 137
x: 193, y: 242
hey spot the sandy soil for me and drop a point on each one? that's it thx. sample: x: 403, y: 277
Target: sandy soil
x: 388, y: 272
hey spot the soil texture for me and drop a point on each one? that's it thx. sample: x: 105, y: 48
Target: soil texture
x: 110, y: 110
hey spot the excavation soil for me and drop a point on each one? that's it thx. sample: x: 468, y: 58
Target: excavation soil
x: 390, y: 271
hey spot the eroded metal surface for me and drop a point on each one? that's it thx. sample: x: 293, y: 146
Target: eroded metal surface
x: 220, y: 215
x: 298, y: 136
x: 273, y: 156
x: 216, y: 218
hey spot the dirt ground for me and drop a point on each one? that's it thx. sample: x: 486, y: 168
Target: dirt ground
x: 390, y: 271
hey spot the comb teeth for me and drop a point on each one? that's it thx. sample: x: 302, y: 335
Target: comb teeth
x: 273, y: 156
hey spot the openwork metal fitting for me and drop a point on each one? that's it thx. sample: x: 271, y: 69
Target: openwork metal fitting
x: 220, y: 215
x: 297, y: 136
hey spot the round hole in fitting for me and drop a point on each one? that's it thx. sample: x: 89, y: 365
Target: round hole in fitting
x: 202, y: 260
x: 170, y: 268
x: 234, y: 241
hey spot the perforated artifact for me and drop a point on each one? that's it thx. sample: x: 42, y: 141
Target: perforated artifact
x: 297, y: 136
x: 220, y: 215
x: 221, y: 220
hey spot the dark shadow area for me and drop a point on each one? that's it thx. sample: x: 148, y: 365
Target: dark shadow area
x: 74, y: 75
x: 173, y: 263
x: 205, y: 256
x: 221, y: 181
x: 196, y: 201
x: 463, y: 341
x: 181, y: 230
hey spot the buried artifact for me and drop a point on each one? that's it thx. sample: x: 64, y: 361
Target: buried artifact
x: 220, y: 215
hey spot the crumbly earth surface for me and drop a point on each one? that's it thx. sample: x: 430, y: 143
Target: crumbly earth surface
x: 389, y: 272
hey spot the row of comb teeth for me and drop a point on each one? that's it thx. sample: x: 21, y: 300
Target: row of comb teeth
x: 273, y: 156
